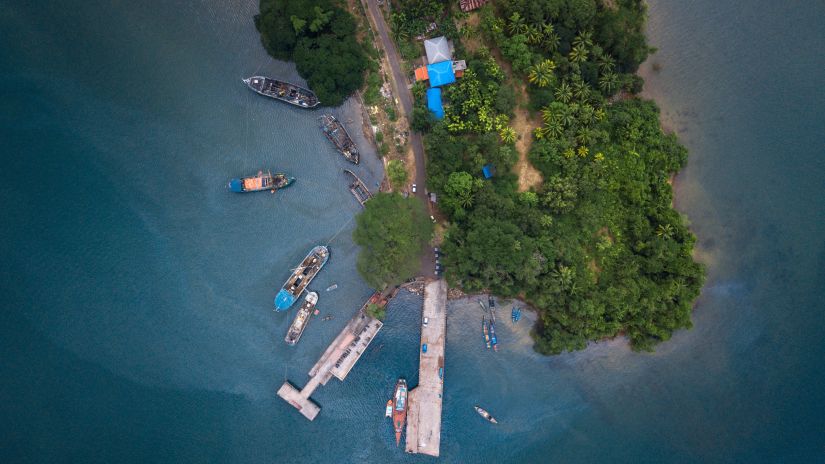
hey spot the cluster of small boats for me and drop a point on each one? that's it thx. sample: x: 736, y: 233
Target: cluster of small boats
x: 488, y: 326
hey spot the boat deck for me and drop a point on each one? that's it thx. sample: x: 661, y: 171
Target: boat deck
x: 425, y: 400
x: 358, y: 188
x: 337, y: 360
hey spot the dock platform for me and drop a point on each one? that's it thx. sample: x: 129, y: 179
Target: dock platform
x: 424, y: 414
x: 338, y: 360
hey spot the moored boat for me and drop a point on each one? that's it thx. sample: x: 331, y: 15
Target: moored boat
x: 486, y: 415
x: 399, y: 409
x: 332, y: 287
x: 296, y: 329
x: 301, y: 277
x: 260, y: 182
x: 388, y: 412
x: 515, y: 314
x: 283, y: 91
x: 337, y: 134
x: 485, y: 331
x: 483, y: 308
x: 493, y: 339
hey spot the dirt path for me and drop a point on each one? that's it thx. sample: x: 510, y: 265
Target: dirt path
x: 528, y: 176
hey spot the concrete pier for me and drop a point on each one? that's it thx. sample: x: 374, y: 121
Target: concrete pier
x: 338, y: 360
x: 424, y: 413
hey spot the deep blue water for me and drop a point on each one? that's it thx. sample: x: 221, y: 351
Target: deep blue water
x: 136, y: 321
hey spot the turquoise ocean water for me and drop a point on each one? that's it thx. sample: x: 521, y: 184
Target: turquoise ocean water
x: 136, y: 321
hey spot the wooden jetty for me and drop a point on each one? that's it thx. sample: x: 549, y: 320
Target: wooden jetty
x: 424, y: 414
x: 358, y: 188
x: 337, y: 361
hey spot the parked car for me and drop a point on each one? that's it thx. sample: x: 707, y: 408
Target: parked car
x: 426, y: 321
x: 432, y: 218
x: 413, y: 188
x: 424, y: 348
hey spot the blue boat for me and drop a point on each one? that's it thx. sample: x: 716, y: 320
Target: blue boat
x: 515, y: 314
x: 493, y: 339
x: 260, y: 182
x: 301, y: 277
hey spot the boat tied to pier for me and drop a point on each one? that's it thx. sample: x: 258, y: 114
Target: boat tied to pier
x: 338, y: 135
x: 486, y: 415
x: 283, y: 91
x: 260, y: 182
x: 399, y: 409
x: 301, y: 319
x: 301, y: 277
x: 388, y: 411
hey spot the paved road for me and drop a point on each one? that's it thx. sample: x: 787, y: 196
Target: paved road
x: 406, y: 99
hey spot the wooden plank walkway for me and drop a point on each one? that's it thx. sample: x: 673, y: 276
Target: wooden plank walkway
x: 424, y: 414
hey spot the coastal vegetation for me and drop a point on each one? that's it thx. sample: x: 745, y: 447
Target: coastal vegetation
x: 320, y: 37
x: 596, y: 247
x: 392, y: 231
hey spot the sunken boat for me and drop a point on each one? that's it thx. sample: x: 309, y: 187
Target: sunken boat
x: 337, y: 134
x: 283, y: 91
x: 358, y: 188
x: 301, y: 277
x: 260, y: 182
x: 301, y: 319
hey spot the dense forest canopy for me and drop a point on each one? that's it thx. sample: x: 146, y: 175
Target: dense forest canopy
x: 392, y: 231
x: 597, y: 247
x: 320, y: 37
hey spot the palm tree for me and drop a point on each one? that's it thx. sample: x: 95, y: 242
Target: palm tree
x: 606, y: 63
x: 507, y: 134
x: 517, y: 25
x: 581, y: 90
x: 584, y: 39
x: 582, y: 150
x: 608, y: 82
x: 587, y: 115
x: 547, y: 114
x: 533, y: 34
x: 550, y: 39
x: 578, y: 54
x: 664, y: 231
x: 600, y: 114
x: 542, y: 73
x: 584, y: 136
x: 554, y: 128
x: 568, y: 116
x: 563, y: 92
x: 465, y: 199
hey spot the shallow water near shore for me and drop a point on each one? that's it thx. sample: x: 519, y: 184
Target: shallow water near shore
x: 136, y: 323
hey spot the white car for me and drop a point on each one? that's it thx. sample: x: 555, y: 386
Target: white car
x: 426, y: 321
x: 413, y: 188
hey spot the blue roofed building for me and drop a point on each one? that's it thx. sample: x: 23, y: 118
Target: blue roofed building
x: 441, y: 73
x: 434, y: 102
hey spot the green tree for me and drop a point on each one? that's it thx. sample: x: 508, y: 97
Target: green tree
x: 392, y: 231
x: 542, y: 74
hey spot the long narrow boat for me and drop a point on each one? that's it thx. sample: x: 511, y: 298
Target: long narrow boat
x: 260, y: 182
x: 283, y: 91
x: 338, y: 135
x: 301, y: 277
x: 399, y: 410
x: 486, y: 415
x: 493, y: 339
x: 301, y: 319
x: 485, y: 331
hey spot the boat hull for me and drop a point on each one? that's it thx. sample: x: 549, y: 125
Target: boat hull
x: 260, y: 183
x: 282, y: 91
x: 399, y: 409
x: 299, y: 324
x: 338, y: 135
x: 301, y: 277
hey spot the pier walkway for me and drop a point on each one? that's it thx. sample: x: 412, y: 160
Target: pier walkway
x: 424, y: 414
x: 338, y: 360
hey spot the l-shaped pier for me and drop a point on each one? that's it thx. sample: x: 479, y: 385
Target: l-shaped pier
x: 337, y: 361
